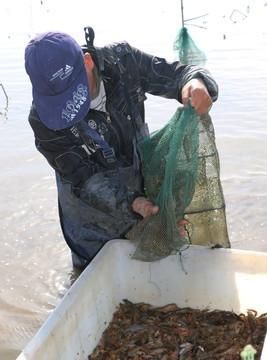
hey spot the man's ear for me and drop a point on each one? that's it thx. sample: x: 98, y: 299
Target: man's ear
x: 89, y: 63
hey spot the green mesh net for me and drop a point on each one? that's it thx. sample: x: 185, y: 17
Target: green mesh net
x: 182, y: 175
x: 206, y: 212
x: 170, y: 160
x: 185, y: 47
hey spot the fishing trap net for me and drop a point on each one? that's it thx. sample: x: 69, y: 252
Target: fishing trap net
x: 181, y: 175
x: 169, y: 161
x: 187, y: 50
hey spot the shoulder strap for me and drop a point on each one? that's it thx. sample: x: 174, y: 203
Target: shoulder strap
x: 93, y: 140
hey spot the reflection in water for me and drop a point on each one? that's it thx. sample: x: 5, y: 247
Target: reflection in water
x: 35, y: 264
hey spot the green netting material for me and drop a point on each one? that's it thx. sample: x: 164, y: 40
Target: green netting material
x: 182, y: 175
x: 206, y: 212
x: 170, y: 161
x: 188, y: 52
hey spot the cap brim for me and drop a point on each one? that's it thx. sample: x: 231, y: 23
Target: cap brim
x: 64, y: 110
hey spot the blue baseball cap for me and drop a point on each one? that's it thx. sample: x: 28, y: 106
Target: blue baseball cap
x: 60, y: 88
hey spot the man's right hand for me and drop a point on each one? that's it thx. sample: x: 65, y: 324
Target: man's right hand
x: 144, y: 207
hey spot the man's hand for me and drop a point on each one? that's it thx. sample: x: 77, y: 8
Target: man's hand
x: 144, y: 207
x: 196, y: 91
x: 181, y: 225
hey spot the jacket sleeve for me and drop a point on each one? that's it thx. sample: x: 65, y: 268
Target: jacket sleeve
x: 74, y: 166
x: 66, y: 157
x: 159, y: 77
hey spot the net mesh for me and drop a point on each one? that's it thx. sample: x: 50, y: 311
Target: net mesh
x: 182, y: 176
x: 169, y: 158
x: 187, y: 50
x: 206, y: 212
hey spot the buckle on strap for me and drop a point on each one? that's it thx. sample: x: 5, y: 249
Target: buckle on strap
x: 109, y: 154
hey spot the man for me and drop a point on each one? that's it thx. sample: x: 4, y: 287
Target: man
x: 88, y: 117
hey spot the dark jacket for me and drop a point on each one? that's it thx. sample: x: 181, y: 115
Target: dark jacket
x: 95, y: 197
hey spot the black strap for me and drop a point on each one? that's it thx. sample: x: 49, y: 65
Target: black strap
x: 92, y: 139
x: 89, y: 36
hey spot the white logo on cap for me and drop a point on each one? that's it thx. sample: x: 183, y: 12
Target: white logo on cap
x: 62, y: 73
x: 73, y: 106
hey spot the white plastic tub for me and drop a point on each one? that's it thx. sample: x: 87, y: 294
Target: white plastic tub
x: 222, y: 279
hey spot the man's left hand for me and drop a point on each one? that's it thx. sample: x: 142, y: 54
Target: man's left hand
x: 196, y: 92
x: 144, y: 207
